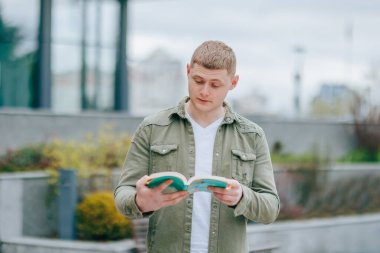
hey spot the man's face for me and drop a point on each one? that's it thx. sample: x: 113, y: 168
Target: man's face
x: 209, y: 87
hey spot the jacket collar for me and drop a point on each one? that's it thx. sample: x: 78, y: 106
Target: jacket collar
x: 229, y: 117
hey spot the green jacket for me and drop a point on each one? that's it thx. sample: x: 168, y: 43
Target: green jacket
x: 165, y: 142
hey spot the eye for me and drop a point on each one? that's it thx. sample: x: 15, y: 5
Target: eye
x: 198, y: 81
x: 215, y: 84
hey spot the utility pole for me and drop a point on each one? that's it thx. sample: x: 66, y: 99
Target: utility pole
x: 299, y: 51
x: 348, y: 37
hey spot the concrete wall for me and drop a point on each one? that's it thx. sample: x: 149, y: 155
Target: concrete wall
x: 24, y: 212
x: 331, y: 139
x: 24, y: 205
x: 350, y: 234
x: 10, y: 207
x: 38, y: 245
x: 18, y: 128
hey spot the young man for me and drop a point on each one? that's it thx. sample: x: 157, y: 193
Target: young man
x: 201, y: 136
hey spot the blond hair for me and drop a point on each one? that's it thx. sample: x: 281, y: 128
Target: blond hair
x: 215, y: 54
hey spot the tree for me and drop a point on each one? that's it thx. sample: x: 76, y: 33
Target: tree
x: 9, y: 39
x: 367, y: 126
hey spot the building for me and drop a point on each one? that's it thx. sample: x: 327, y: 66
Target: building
x: 333, y: 100
x: 253, y: 103
x: 46, y: 44
x: 163, y: 77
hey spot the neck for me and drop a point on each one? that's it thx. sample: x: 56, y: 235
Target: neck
x: 204, y: 118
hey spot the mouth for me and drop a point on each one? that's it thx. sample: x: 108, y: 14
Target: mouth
x: 202, y: 100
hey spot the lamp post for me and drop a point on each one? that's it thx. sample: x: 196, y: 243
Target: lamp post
x: 297, y: 79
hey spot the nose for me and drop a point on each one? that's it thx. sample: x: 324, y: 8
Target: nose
x: 205, y: 90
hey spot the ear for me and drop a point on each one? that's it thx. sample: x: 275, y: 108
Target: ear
x: 187, y: 69
x: 234, y: 82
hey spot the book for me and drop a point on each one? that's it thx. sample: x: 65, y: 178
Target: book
x: 180, y: 183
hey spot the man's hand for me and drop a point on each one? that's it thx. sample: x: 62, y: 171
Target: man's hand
x: 148, y: 199
x: 230, y: 195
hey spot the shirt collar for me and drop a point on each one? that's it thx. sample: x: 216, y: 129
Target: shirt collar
x: 229, y: 117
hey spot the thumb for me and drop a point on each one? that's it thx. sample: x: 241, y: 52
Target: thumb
x: 142, y: 180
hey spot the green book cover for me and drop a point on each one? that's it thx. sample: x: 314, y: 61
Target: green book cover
x: 180, y: 183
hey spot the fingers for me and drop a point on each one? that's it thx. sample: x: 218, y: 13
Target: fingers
x: 218, y: 190
x: 174, y: 195
x: 148, y: 199
x: 163, y: 186
x: 233, y: 184
x: 231, y: 195
x: 175, y: 198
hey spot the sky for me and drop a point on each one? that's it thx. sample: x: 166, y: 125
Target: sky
x: 340, y: 38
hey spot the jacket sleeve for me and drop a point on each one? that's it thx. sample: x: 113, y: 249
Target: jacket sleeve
x: 135, y: 166
x: 260, y: 201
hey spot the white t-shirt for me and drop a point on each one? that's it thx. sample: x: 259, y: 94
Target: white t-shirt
x: 204, y: 145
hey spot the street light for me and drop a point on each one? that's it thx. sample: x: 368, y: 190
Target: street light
x: 299, y: 51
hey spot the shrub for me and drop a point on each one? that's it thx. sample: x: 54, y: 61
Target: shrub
x: 101, y: 152
x: 105, y: 150
x: 360, y: 155
x: 367, y: 128
x: 98, y: 219
x: 28, y: 158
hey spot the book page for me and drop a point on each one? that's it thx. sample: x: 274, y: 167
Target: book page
x: 179, y: 180
x: 169, y: 173
x: 197, y: 184
x: 217, y: 178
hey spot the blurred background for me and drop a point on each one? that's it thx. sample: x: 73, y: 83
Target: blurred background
x: 78, y: 76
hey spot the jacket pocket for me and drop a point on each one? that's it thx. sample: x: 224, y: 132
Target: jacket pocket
x: 243, y: 165
x: 163, y: 157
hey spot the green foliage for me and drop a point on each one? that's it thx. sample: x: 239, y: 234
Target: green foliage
x: 9, y: 39
x: 367, y: 131
x: 304, y: 161
x: 98, y: 219
x: 349, y: 195
x: 277, y: 147
x: 361, y: 155
x: 307, y: 160
x: 103, y: 151
x: 28, y: 158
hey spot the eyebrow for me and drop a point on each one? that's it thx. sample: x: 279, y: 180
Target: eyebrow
x: 198, y: 76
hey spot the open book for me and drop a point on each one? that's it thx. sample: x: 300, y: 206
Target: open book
x: 194, y: 184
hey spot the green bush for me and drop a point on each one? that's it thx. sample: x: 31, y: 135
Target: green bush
x: 297, y: 161
x: 106, y: 150
x: 361, y: 155
x: 98, y: 219
x: 28, y: 158
x: 102, y: 151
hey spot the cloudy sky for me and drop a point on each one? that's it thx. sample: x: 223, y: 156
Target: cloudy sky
x: 264, y: 35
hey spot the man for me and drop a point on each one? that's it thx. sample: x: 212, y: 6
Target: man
x: 201, y: 136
